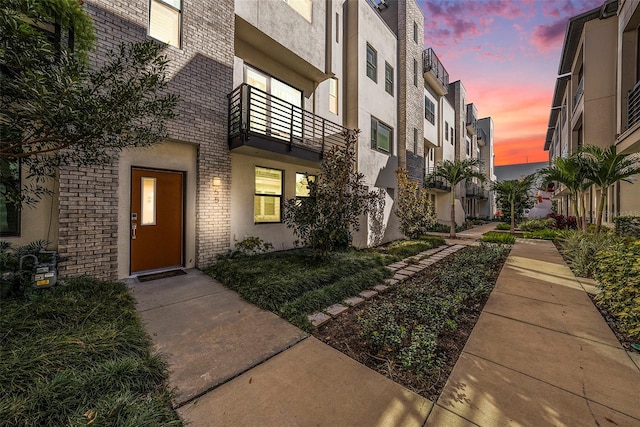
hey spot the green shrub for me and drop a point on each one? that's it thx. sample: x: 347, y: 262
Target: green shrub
x: 580, y: 250
x: 537, y: 224
x: 414, y: 209
x: 497, y: 237
x: 401, y: 249
x: 628, y: 226
x: 617, y: 271
x: 503, y: 226
x: 546, y: 234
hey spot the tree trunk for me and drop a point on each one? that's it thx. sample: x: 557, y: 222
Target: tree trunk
x: 452, y: 225
x: 583, y: 211
x: 513, y: 217
x: 601, y: 205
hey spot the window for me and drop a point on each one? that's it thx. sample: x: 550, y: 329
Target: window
x: 165, y: 21
x: 148, y: 202
x: 415, y: 141
x: 303, y: 7
x: 337, y: 28
x: 468, y: 145
x: 267, y: 201
x: 302, y: 182
x: 9, y: 183
x: 431, y: 151
x: 415, y: 32
x: 429, y: 110
x: 381, y: 136
x: 446, y: 130
x: 415, y: 73
x: 372, y: 63
x: 452, y: 136
x: 388, y: 78
x: 333, y: 95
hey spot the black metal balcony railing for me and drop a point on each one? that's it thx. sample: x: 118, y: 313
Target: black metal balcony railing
x: 431, y: 63
x: 579, y: 92
x: 436, y: 183
x: 264, y: 121
x: 633, y: 115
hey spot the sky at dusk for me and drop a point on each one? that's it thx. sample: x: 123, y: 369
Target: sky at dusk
x: 506, y: 52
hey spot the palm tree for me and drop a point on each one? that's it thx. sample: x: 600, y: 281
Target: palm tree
x: 455, y: 172
x: 573, y: 172
x: 607, y: 168
x: 512, y: 190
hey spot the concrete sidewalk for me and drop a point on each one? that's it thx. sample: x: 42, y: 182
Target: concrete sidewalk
x: 540, y: 354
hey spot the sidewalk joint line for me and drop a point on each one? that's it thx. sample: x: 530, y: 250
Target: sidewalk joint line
x: 179, y: 405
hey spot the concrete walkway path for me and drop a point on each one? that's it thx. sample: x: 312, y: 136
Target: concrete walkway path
x: 540, y: 354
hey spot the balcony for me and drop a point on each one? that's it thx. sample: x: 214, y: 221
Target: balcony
x: 633, y: 114
x: 436, y: 183
x: 472, y: 118
x: 476, y: 191
x: 258, y: 120
x: 482, y: 138
x: 434, y: 72
x: 579, y: 93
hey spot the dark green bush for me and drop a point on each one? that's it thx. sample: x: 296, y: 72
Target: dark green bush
x: 580, y: 250
x: 546, y: 234
x: 628, y: 226
x: 617, y: 271
x: 401, y: 249
x: 537, y: 224
x: 503, y: 226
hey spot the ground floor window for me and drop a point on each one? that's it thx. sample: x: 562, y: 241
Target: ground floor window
x: 9, y: 194
x: 267, y: 202
x: 302, y: 184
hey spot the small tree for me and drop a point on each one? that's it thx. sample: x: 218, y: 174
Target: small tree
x: 513, y: 192
x: 337, y: 197
x: 607, y: 168
x: 455, y: 172
x: 56, y: 110
x: 414, y: 209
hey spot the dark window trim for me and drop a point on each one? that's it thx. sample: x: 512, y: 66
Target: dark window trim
x: 374, y: 142
x: 429, y: 114
x: 281, y: 196
x: 373, y: 66
x: 388, y: 83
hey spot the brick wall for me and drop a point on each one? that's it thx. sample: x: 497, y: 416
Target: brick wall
x: 410, y: 97
x: 201, y: 73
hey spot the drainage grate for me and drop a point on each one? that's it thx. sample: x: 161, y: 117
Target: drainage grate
x: 163, y: 275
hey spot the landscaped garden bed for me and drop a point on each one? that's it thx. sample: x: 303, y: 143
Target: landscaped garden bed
x: 297, y: 282
x: 77, y: 354
x: 415, y: 332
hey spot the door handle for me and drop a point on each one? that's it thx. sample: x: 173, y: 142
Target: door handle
x: 133, y: 231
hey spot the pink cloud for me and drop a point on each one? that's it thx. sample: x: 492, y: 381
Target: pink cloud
x: 550, y: 36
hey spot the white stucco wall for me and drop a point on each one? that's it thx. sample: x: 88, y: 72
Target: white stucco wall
x: 243, y: 190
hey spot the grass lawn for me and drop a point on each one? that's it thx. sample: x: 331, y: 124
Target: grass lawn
x: 295, y: 283
x: 77, y: 354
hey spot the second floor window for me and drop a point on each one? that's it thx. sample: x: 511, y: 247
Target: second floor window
x: 381, y: 136
x: 415, y: 72
x: 302, y: 184
x: 372, y: 63
x: 415, y: 141
x: 415, y: 32
x: 333, y: 95
x: 165, y: 21
x: 388, y: 78
x: 446, y: 131
x: 429, y: 110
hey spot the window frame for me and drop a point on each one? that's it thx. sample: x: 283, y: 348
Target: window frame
x: 16, y: 210
x: 429, y: 113
x: 180, y: 22
x: 388, y: 83
x: 415, y: 31
x: 374, y: 141
x: 415, y: 72
x: 372, y: 67
x: 446, y: 130
x: 415, y: 141
x: 279, y: 197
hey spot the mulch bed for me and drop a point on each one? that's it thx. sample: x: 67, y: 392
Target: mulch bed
x: 343, y: 334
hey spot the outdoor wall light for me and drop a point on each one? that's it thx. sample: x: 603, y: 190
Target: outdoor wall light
x: 217, y: 182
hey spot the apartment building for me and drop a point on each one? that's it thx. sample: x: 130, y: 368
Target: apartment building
x: 266, y: 87
x: 592, y: 97
x: 486, y: 198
